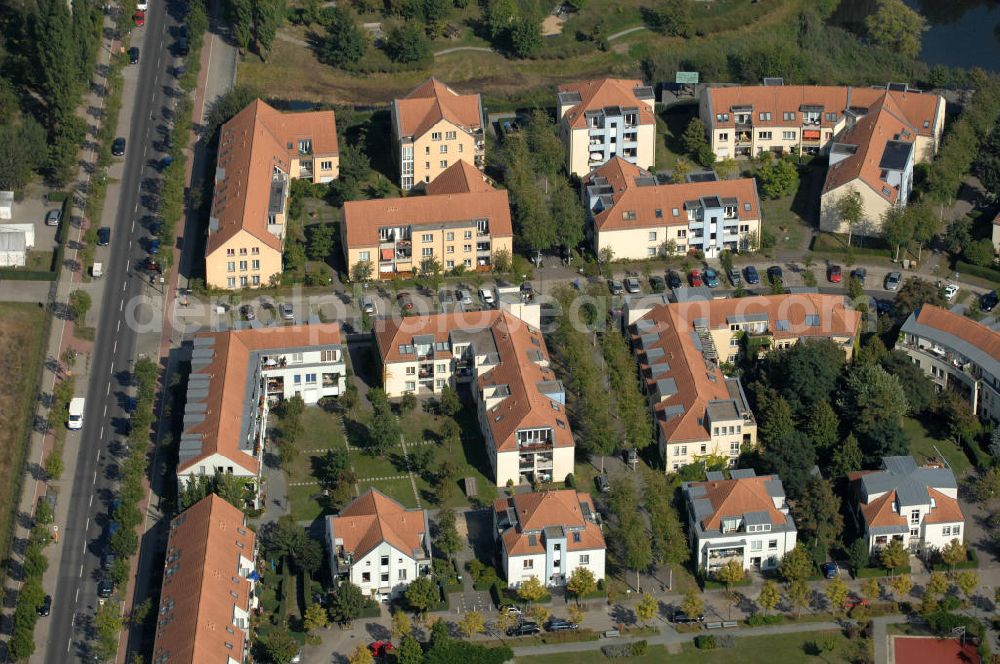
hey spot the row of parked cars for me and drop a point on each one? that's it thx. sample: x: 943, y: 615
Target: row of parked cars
x: 531, y: 628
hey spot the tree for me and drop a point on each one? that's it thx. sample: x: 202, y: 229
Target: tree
x: 22, y: 151
x: 268, y: 17
x: 926, y: 224
x: 531, y: 589
x: 769, y: 597
x: 449, y: 403
x: 871, y: 589
x: 501, y: 261
x: 672, y: 18
x: 798, y: 594
x: 980, y: 252
x: 538, y: 613
x: 575, y: 614
x: 850, y: 209
x: 79, y: 304
x: 407, y: 43
x: 321, y: 242
x: 638, y: 552
x: 897, y: 228
x: 901, y: 585
x: 581, y: 582
x: 893, y: 555
x: 545, y: 150
x: 694, y: 137
x: 796, y: 565
x: 647, y: 608
x: 499, y: 15
x: 409, y: 651
x: 422, y: 593
x: 778, y: 177
x: 361, y: 655
x: 817, y: 511
x: 858, y: 555
x: 347, y: 603
x: 836, y: 592
x: 823, y: 426
x: 401, y: 626
x: 362, y: 271
x: 895, y: 27
x: 315, y: 618
x: 693, y: 604
x: 281, y: 647
x: 937, y: 584
x: 447, y: 540
x: 473, y: 623
x: 567, y: 214
x: 384, y: 432
x: 920, y: 391
x: 525, y: 36
x: 730, y: 573
x: 987, y: 165
x: 914, y: 293
x: 953, y: 553
x: 967, y: 581
x: 345, y: 42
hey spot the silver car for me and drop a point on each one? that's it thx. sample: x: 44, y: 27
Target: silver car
x: 892, y: 281
x: 52, y: 217
x: 287, y: 313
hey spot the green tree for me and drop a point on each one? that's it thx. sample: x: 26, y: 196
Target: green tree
x: 731, y: 573
x: 836, y: 592
x: 321, y: 242
x: 672, y: 18
x: 893, y: 555
x: 567, y: 214
x: 770, y: 596
x: 547, y: 152
x: 914, y: 293
x: 693, y: 604
x: 499, y: 15
x: 920, y: 391
x: 796, y: 565
x: 347, y: 603
x: 361, y: 655
x: 409, y: 651
x: 694, y: 137
x: 449, y: 403
x: 407, y: 43
x: 525, y: 36
x: 108, y: 623
x: 967, y: 581
x: 937, y: 584
x: 953, y: 553
x: 901, y: 585
x: 850, y: 209
x: 345, y: 42
x: 823, y: 426
x: 778, y: 177
x: 362, y: 271
x: 22, y: 151
x: 871, y: 589
x: 79, y: 304
x: 581, y: 582
x: 447, y: 540
x: 422, y: 593
x: 472, y: 623
x: 897, y: 228
x: 384, y: 432
x: 647, y: 608
x: 926, y: 224
x: 401, y: 626
x: 531, y: 589
x: 268, y: 16
x: 980, y: 252
x: 895, y: 27
x: 315, y: 618
x: 817, y: 511
x: 798, y: 594
x: 858, y: 555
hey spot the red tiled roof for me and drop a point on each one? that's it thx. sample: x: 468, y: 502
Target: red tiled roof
x: 433, y: 101
x: 601, y: 93
x: 731, y: 498
x: 966, y: 329
x: 459, y: 178
x: 537, y: 511
x: 373, y: 518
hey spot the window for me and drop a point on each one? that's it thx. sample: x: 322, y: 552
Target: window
x: 255, y: 264
x: 723, y: 135
x: 450, y: 249
x: 411, y: 371
x: 772, y: 545
x: 297, y: 379
x: 652, y: 236
x: 427, y: 252
x: 444, y: 163
x: 730, y: 525
x: 734, y: 448
x: 366, y: 577
x: 722, y: 117
x: 658, y: 214
x: 402, y: 575
x: 914, y: 517
x: 788, y: 135
x: 410, y: 385
x: 231, y: 266
x: 444, y: 149
x: 466, y: 248
x: 682, y: 233
x: 385, y: 577
x: 231, y: 282
x: 585, y: 559
x: 764, y: 116
x: 243, y: 266
x: 427, y: 237
x: 230, y: 252
x: 255, y: 251
x: 788, y: 115
x: 529, y: 564
x: 468, y: 262
x: 756, y: 545
x: 557, y: 547
x: 830, y: 117
x: 467, y: 235
x: 255, y: 280
x: 450, y: 236
x: 956, y: 531
x: 328, y: 356
x: 244, y: 282
x: 763, y: 135
x: 427, y: 150
x: 449, y: 135
x: 310, y: 378
x: 436, y: 136
x: 651, y: 251
x: 450, y: 265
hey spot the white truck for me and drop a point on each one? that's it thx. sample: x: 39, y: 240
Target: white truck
x: 75, y: 420
x: 97, y: 270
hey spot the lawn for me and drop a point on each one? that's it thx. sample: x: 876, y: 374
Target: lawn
x: 23, y: 333
x: 923, y: 444
x: 748, y: 650
x: 670, y: 126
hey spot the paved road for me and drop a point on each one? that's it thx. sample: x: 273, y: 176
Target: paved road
x: 124, y: 301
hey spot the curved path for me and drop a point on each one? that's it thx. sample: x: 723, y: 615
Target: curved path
x: 627, y: 32
x: 457, y: 49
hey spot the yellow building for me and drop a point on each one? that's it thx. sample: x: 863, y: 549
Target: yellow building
x: 461, y: 222
x: 604, y: 118
x: 260, y: 150
x: 433, y: 128
x: 635, y: 218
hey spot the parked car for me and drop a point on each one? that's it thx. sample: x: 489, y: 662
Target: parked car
x: 695, y: 278
x: 118, y: 147
x: 368, y: 304
x: 107, y: 560
x: 681, y: 618
x: 616, y: 287
x: 45, y: 608
x: 105, y: 587
x: 852, y: 602
x: 711, y: 278
x: 657, y: 284
x: 287, y: 312
x: 463, y: 296
x: 405, y: 301
x: 133, y: 55
x: 892, y: 281
x: 632, y: 285
x: 380, y: 648
x: 775, y: 274
x: 829, y: 570
x: 52, y: 217
x: 860, y: 274
x: 750, y: 272
x: 950, y: 291
x: 103, y: 236
x: 525, y: 629
x: 734, y: 277
x: 247, y: 312
x: 560, y: 625
x: 673, y: 279
x: 603, y: 484
x: 140, y: 18
x: 183, y: 47
x: 486, y: 295
x: 989, y: 300
x: 510, y: 609
x: 150, y: 265
x: 834, y: 274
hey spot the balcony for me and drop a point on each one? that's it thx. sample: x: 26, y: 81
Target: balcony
x: 535, y: 446
x: 276, y: 385
x: 744, y: 137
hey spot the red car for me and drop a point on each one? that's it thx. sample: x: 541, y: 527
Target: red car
x: 852, y: 602
x: 379, y: 648
x: 695, y: 278
x: 140, y: 18
x: 833, y: 273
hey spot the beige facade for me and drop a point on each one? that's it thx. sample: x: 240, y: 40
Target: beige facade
x: 431, y: 153
x: 874, y: 207
x: 723, y: 439
x: 751, y: 141
x: 242, y: 261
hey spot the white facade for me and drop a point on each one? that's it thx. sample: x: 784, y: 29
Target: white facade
x: 212, y: 464
x: 520, y: 568
x: 762, y: 550
x: 385, y: 572
x: 310, y: 374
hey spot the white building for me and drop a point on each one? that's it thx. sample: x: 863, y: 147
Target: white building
x: 378, y: 545
x: 916, y: 505
x: 744, y: 518
x: 235, y: 379
x: 548, y: 535
x: 16, y: 240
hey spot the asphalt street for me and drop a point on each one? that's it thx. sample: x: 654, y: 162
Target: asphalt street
x: 124, y: 301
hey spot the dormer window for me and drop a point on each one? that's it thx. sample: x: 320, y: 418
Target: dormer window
x: 730, y: 525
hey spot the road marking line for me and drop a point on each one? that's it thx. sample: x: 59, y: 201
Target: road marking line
x: 77, y: 595
x: 85, y: 530
x: 121, y: 306
x: 81, y: 570
x: 95, y: 478
x: 108, y: 391
x: 114, y: 349
x: 91, y: 500
x: 136, y: 211
x: 128, y: 260
x: 119, y: 327
x: 133, y: 224
x: 69, y: 643
x: 102, y: 428
x: 98, y: 458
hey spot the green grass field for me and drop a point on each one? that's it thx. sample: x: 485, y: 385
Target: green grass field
x: 922, y: 447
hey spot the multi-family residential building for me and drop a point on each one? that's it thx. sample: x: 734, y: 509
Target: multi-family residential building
x: 607, y: 117
x: 634, y: 217
x: 744, y: 518
x: 260, y: 151
x: 235, y: 378
x: 433, y: 127
x: 461, y: 222
x: 548, y: 535
x: 698, y: 410
x: 378, y: 545
x: 207, y: 595
x: 958, y: 354
x: 916, y: 505
x: 519, y: 400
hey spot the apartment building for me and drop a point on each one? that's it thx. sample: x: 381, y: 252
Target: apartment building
x: 958, y: 354
x: 433, y: 127
x: 744, y: 120
x: 698, y: 410
x: 744, y: 518
x: 208, y: 590
x: 378, y: 545
x: 519, y: 400
x: 236, y: 377
x: 635, y: 217
x: 548, y: 535
x: 916, y: 505
x: 461, y: 222
x: 261, y: 150
x: 604, y: 118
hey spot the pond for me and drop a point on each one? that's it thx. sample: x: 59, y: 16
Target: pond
x: 963, y: 33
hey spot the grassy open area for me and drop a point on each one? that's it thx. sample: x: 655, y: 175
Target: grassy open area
x: 749, y: 650
x: 22, y: 340
x: 923, y: 444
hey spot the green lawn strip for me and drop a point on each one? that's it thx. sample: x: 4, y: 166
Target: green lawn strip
x: 783, y: 223
x: 922, y: 446
x: 400, y: 490
x: 418, y: 426
x: 304, y: 502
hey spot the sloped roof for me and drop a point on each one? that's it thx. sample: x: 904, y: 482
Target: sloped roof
x: 602, y: 93
x: 632, y: 205
x: 459, y: 178
x: 396, y: 331
x: 197, y: 598
x: 737, y: 498
x: 227, y: 374
x: 533, y: 513
x: 433, y: 101
x: 972, y: 339
x: 252, y: 144
x: 373, y: 518
x: 903, y: 483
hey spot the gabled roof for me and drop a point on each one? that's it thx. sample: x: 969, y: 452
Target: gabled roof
x: 715, y: 500
x: 202, y: 583
x: 252, y: 144
x: 219, y: 388
x: 599, y: 94
x: 528, y: 518
x: 901, y: 484
x: 373, y: 518
x: 433, y: 101
x: 630, y: 197
x: 979, y: 343
x: 459, y: 178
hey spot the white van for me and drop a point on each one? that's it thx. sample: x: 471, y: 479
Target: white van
x: 75, y: 420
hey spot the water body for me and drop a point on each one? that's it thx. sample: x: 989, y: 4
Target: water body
x: 963, y: 33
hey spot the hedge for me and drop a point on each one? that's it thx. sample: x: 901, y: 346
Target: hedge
x: 982, y: 271
x: 871, y: 572
x: 971, y: 562
x: 372, y: 610
x: 712, y: 584
x: 503, y: 595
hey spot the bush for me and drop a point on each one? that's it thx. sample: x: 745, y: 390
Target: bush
x: 705, y: 642
x: 971, y: 562
x: 983, y: 272
x: 758, y: 619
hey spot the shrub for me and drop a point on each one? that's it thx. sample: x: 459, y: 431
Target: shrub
x: 705, y: 642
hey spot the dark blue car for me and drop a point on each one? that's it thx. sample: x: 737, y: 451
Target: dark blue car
x: 751, y: 274
x: 711, y: 278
